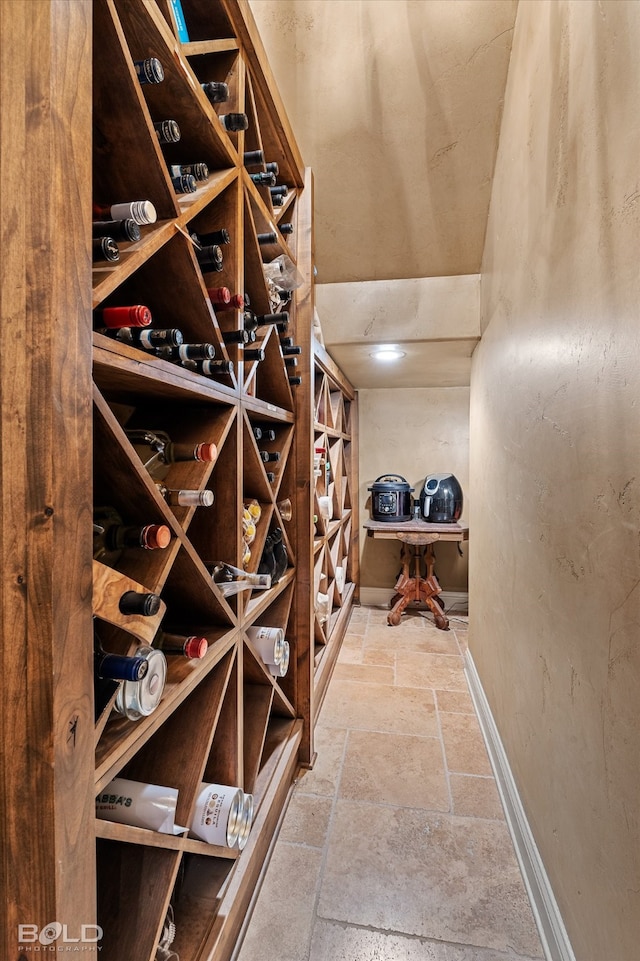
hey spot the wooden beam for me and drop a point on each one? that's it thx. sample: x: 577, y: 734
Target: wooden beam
x: 47, y: 865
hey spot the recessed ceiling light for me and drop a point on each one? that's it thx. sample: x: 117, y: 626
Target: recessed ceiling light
x: 388, y: 353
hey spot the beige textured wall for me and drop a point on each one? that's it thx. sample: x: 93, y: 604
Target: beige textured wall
x: 555, y: 457
x: 396, y: 106
x: 412, y: 432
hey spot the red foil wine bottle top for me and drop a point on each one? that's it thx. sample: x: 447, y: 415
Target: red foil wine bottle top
x: 219, y: 295
x: 156, y: 536
x: 196, y: 647
x: 137, y: 316
x: 206, y: 452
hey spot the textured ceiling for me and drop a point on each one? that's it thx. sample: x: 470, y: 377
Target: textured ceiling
x: 396, y: 106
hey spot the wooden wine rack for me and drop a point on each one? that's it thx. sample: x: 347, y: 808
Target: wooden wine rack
x: 224, y: 718
x: 336, y: 538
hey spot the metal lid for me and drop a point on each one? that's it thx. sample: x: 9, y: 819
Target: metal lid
x: 390, y: 482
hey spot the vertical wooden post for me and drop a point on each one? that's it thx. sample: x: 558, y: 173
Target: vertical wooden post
x: 47, y: 871
x: 304, y: 473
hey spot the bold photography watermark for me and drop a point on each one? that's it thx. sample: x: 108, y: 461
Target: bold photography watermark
x: 55, y: 936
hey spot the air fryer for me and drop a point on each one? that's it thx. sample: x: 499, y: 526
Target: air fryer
x: 441, y: 499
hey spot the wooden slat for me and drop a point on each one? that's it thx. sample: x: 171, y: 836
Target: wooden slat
x: 304, y: 492
x: 108, y: 588
x: 46, y: 711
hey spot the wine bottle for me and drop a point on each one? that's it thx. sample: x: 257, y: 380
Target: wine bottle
x: 147, y: 338
x: 267, y: 564
x: 109, y: 670
x: 186, y: 498
x: 234, y: 121
x: 216, y: 91
x: 280, y: 555
x: 149, y: 70
x: 277, y: 200
x: 263, y: 320
x: 291, y: 361
x: 291, y: 351
x: 268, y: 238
x: 191, y: 646
x: 231, y: 580
x: 285, y: 229
x: 198, y: 170
x: 111, y: 536
x: 264, y: 179
x: 135, y: 316
x: 236, y: 302
x: 272, y: 168
x: 187, y: 352
x: 209, y: 258
x: 295, y: 381
x: 279, y: 190
x: 119, y: 667
x: 236, y: 336
x: 221, y: 236
x: 219, y: 296
x: 105, y: 248
x: 253, y: 158
x: 249, y: 320
x: 267, y: 433
x: 255, y: 353
x: 271, y: 476
x: 168, y: 131
x: 209, y: 368
x: 127, y: 230
x: 268, y: 456
x: 158, y: 452
x: 257, y: 432
x: 138, y: 602
x: 142, y: 211
x: 283, y: 325
x: 184, y: 184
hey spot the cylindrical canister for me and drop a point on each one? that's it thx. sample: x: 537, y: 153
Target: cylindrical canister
x: 268, y: 641
x: 245, y: 821
x: 217, y: 815
x: 280, y: 668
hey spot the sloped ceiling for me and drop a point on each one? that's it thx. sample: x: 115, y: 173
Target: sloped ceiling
x: 396, y: 105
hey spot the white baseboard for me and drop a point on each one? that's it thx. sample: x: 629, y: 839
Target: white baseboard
x: 553, y: 934
x: 455, y: 602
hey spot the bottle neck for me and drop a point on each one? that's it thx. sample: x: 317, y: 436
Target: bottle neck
x: 136, y: 602
x: 120, y: 667
x: 150, y: 537
x: 191, y: 646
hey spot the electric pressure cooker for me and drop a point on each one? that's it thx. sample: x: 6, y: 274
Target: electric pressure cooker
x: 390, y: 498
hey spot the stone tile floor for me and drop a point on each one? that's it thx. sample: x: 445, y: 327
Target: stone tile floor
x: 394, y: 847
